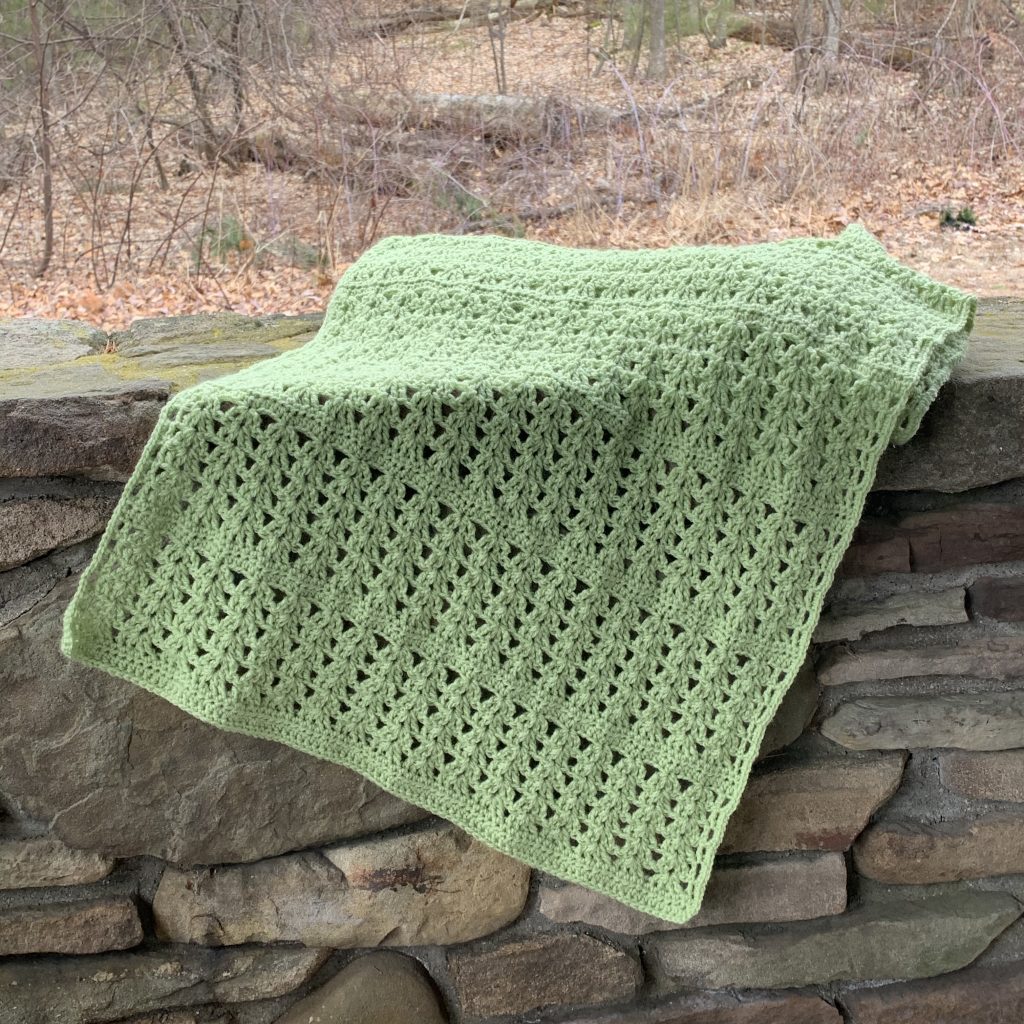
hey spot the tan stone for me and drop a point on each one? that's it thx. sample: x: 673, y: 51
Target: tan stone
x: 44, y: 860
x: 969, y: 721
x: 984, y: 775
x: 820, y: 804
x: 81, y: 926
x: 986, y: 657
x: 559, y: 969
x: 795, y: 711
x: 850, y: 620
x: 379, y: 988
x: 914, y: 853
x: 789, y: 889
x: 433, y: 886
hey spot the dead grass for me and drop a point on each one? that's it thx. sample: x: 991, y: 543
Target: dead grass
x: 723, y: 152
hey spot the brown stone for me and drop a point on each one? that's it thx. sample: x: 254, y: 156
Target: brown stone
x: 132, y: 774
x: 433, y: 886
x: 820, y: 804
x: 555, y: 969
x: 111, y: 986
x: 969, y: 533
x: 850, y: 620
x: 984, y: 775
x: 30, y: 527
x: 914, y: 853
x: 998, y: 597
x: 970, y: 435
x: 724, y: 1008
x: 976, y: 995
x: 875, y: 548
x: 789, y: 889
x: 379, y: 988
x: 43, y: 860
x: 895, y: 939
x: 968, y: 721
x: 980, y: 657
x: 81, y: 926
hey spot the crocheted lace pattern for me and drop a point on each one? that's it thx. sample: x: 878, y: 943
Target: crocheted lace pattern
x: 532, y: 537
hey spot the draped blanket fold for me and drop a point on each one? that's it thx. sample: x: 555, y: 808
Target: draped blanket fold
x: 533, y: 537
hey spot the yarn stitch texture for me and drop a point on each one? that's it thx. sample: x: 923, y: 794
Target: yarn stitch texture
x: 532, y: 537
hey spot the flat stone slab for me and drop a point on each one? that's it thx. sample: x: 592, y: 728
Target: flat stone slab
x: 984, y: 656
x: 111, y: 986
x: 850, y: 620
x: 818, y: 804
x: 79, y: 926
x: 970, y: 436
x: 967, y: 721
x: 28, y: 342
x: 132, y: 774
x: 435, y: 886
x: 897, y: 940
x: 557, y: 969
x: 975, y: 995
x: 917, y: 853
x: 984, y: 775
x: 77, y: 410
x: 44, y: 860
x: 789, y: 889
x: 379, y: 988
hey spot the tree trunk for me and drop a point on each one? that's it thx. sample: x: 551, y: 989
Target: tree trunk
x: 803, y: 11
x: 656, y: 50
x: 41, y: 47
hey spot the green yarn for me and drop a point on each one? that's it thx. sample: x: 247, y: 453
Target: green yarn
x: 532, y: 537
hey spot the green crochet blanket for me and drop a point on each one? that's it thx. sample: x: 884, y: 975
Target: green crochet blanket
x: 532, y: 537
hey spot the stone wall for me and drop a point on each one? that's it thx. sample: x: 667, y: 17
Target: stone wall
x: 156, y: 869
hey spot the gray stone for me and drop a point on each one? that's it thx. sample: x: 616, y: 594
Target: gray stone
x: 30, y: 527
x: 79, y: 926
x: 850, y: 620
x: 794, y: 713
x: 980, y: 657
x: 790, y: 889
x: 915, y: 853
x: 554, y: 969
x: 970, y: 435
x: 819, y: 804
x: 976, y: 995
x: 118, y: 770
x: 44, y: 860
x: 723, y: 1008
x: 27, y: 342
x: 984, y: 775
x: 21, y: 589
x: 81, y: 421
x: 433, y: 886
x: 899, y: 939
x: 109, y: 986
x: 968, y: 721
x: 379, y: 988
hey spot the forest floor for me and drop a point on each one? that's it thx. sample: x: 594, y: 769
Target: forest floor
x: 759, y: 164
